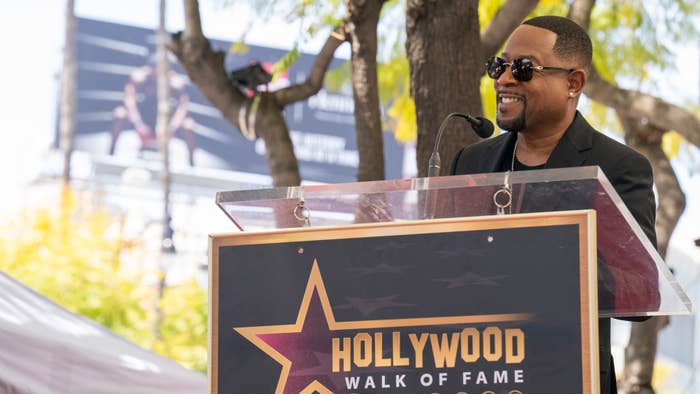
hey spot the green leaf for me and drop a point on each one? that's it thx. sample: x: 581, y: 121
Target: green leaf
x: 335, y: 79
x: 239, y: 48
x: 284, y: 63
x: 73, y: 253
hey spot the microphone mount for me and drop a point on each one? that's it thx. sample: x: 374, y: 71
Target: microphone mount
x: 481, y: 126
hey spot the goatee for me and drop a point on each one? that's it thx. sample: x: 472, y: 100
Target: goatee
x: 515, y: 124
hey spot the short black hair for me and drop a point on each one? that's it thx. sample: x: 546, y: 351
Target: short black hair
x: 572, y: 40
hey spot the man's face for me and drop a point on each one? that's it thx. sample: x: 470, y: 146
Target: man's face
x: 540, y: 103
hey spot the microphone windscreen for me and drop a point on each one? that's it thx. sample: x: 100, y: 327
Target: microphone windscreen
x: 484, y: 129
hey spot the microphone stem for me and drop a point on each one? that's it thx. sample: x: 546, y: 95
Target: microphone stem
x: 434, y: 161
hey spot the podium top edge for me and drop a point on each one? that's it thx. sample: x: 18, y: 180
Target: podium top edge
x: 412, y: 184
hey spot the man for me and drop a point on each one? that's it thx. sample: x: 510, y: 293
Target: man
x: 538, y: 80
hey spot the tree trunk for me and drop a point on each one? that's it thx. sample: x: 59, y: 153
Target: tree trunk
x: 362, y: 31
x: 646, y: 139
x: 205, y: 67
x: 68, y: 88
x: 163, y: 134
x: 270, y: 125
x: 639, y: 357
x: 506, y: 20
x: 640, y: 352
x: 163, y: 131
x: 444, y: 49
x: 260, y: 115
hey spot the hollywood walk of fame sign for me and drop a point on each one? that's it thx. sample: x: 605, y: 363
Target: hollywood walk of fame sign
x: 479, y: 305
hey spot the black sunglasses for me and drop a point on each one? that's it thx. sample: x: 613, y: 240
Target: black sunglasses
x: 522, y: 68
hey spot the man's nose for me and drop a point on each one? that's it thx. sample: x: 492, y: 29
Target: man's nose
x: 507, y: 77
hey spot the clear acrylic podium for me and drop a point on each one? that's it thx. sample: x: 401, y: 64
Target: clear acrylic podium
x: 633, y: 280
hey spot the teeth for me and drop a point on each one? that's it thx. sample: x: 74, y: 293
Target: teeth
x: 508, y: 100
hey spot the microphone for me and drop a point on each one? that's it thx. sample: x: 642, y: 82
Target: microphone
x: 481, y: 126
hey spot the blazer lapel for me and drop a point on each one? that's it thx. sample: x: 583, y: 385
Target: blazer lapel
x: 574, y: 147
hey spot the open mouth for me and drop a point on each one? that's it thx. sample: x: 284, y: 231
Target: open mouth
x: 508, y: 98
x: 509, y: 104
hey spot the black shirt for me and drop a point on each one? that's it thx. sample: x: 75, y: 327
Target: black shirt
x: 518, y: 166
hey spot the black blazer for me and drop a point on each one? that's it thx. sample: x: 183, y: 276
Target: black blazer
x: 629, y: 172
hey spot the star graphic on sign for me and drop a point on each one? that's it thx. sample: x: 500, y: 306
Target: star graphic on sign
x: 382, y: 268
x: 367, y: 306
x: 303, y: 346
x: 471, y: 279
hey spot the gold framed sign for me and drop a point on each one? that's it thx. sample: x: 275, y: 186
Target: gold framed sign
x: 501, y: 304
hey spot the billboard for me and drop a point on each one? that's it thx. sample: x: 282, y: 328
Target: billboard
x: 117, y: 105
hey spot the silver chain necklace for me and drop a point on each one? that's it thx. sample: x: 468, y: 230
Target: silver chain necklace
x: 503, y: 198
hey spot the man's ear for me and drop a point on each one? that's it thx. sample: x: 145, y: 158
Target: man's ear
x: 576, y: 81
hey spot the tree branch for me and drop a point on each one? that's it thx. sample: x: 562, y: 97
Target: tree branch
x: 506, y: 20
x: 262, y: 118
x: 314, y: 82
x: 363, y: 17
x: 205, y: 67
x: 659, y: 113
x: 641, y: 349
x: 580, y: 12
x: 193, y: 24
x: 646, y: 139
